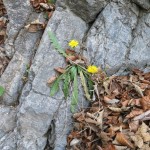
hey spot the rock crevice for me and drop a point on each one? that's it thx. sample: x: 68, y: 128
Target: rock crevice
x: 116, y: 36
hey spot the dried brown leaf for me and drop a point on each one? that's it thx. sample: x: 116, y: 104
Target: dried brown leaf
x: 110, y: 101
x: 143, y: 130
x: 35, y: 26
x: 143, y: 116
x: 121, y: 147
x: 114, y: 109
x: 109, y: 147
x: 51, y: 80
x: 134, y: 113
x: 145, y: 102
x: 138, y: 89
x: 70, y: 52
x: 71, y: 58
x: 123, y: 140
x: 138, y: 141
x: 134, y: 125
x: 60, y: 70
x: 104, y: 137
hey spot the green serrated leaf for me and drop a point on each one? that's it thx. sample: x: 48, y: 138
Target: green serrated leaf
x: 83, y: 81
x: 66, y: 85
x: 73, y: 72
x: 74, y: 100
x: 56, y: 44
x: 55, y: 86
x: 90, y: 86
x: 2, y: 91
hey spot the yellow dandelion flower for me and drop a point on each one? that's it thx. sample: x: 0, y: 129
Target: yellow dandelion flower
x: 92, y: 69
x: 73, y: 43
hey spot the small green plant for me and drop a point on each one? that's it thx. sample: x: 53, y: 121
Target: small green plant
x: 26, y: 74
x: 69, y: 76
x: 52, y: 1
x: 2, y: 91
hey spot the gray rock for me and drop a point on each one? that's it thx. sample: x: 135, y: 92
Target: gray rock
x: 7, y: 126
x: 140, y: 49
x: 85, y: 9
x: 143, y: 3
x: 110, y: 37
x: 8, y: 120
x: 38, y: 111
x: 18, y: 14
x: 119, y: 39
x: 8, y: 142
x: 24, y: 45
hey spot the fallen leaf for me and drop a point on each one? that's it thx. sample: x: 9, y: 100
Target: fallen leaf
x: 71, y: 58
x: 143, y: 130
x: 74, y: 142
x: 134, y: 125
x: 60, y: 70
x: 122, y: 139
x: 110, y: 101
x: 104, y: 137
x: 145, y: 102
x: 121, y: 147
x: 138, y: 89
x: 143, y: 116
x: 109, y: 147
x: 70, y: 52
x: 138, y: 141
x: 115, y: 109
x: 134, y: 113
x: 35, y: 26
x: 51, y: 80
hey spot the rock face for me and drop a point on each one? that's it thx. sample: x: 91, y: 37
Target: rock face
x: 117, y: 37
x: 109, y: 38
x: 140, y: 47
x: 35, y: 119
x: 145, y: 4
x: 86, y: 9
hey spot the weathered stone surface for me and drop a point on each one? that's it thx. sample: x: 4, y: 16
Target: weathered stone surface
x: 119, y: 39
x: 24, y: 45
x: 38, y: 110
x: 7, y: 126
x: 8, y: 120
x: 8, y: 141
x: 140, y: 48
x: 143, y: 3
x: 18, y: 13
x: 110, y: 37
x: 85, y: 9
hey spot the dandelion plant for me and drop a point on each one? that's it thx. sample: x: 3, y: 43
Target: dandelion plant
x: 75, y: 69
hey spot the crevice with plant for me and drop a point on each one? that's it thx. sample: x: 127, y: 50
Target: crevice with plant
x: 76, y: 66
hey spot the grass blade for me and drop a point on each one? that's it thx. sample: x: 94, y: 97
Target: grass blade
x: 55, y: 86
x: 74, y: 100
x: 83, y: 81
x: 2, y: 91
x: 66, y: 85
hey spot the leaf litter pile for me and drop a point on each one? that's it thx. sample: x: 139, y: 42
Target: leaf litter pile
x: 45, y: 6
x: 120, y: 117
x: 4, y: 60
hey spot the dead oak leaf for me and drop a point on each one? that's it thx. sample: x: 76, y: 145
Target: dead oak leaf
x: 123, y: 140
x: 51, y: 80
x: 145, y: 102
x: 138, y: 141
x: 134, y: 113
x: 143, y: 130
